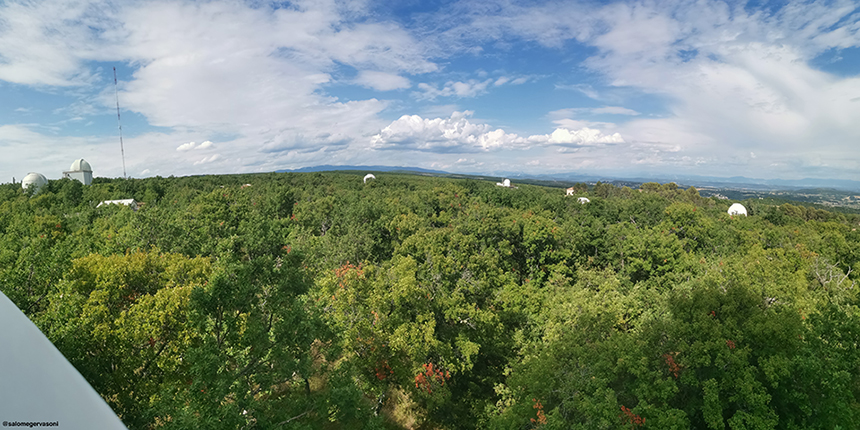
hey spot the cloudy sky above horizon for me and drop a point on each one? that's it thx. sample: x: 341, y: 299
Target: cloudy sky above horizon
x: 626, y: 88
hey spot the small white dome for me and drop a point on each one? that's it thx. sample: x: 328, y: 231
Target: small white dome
x: 583, y: 200
x: 80, y: 165
x: 369, y: 176
x: 737, y: 209
x: 34, y: 179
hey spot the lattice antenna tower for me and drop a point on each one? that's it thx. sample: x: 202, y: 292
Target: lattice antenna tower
x: 119, y: 122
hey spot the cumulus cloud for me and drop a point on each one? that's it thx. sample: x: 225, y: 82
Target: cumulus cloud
x: 582, y: 137
x: 459, y: 135
x: 454, y: 134
x: 468, y: 162
x: 728, y: 78
x: 192, y: 145
x: 251, y: 73
x: 712, y: 82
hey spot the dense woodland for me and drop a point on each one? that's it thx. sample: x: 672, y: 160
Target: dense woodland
x: 316, y: 301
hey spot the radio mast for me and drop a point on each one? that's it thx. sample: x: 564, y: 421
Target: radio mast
x: 119, y: 122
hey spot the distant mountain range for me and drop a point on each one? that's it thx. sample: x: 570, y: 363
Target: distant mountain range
x: 686, y: 180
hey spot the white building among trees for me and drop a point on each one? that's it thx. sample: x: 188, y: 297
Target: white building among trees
x: 737, y: 209
x: 34, y: 180
x: 125, y: 202
x: 81, y: 171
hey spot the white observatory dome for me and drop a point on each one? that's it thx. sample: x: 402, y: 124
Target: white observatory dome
x: 369, y: 176
x: 81, y: 171
x: 80, y: 165
x: 33, y: 179
x: 737, y: 209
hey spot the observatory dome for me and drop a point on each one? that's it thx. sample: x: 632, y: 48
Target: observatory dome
x: 80, y: 165
x: 33, y: 179
x: 737, y: 209
x: 81, y: 171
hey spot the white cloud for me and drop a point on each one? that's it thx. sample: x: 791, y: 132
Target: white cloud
x: 192, y: 145
x: 582, y: 137
x: 470, y: 88
x: 728, y: 81
x: 458, y: 135
x: 186, y: 146
x: 468, y: 162
x: 614, y: 110
x: 256, y: 74
x: 521, y: 80
x: 730, y: 78
x: 38, y: 46
x: 510, y: 80
x: 209, y: 159
x: 382, y: 81
x: 31, y: 150
x: 455, y: 134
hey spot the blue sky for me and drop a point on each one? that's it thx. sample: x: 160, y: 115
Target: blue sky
x: 628, y: 88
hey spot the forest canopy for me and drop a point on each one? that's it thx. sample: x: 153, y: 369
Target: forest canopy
x: 309, y: 300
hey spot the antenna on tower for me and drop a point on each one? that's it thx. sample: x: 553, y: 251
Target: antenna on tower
x: 119, y: 122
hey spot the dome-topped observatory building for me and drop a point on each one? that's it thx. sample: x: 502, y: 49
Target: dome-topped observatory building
x: 34, y: 180
x: 81, y: 171
x: 737, y: 209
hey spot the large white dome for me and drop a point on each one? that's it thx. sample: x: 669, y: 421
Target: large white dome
x: 737, y: 209
x: 80, y: 165
x: 34, y: 179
